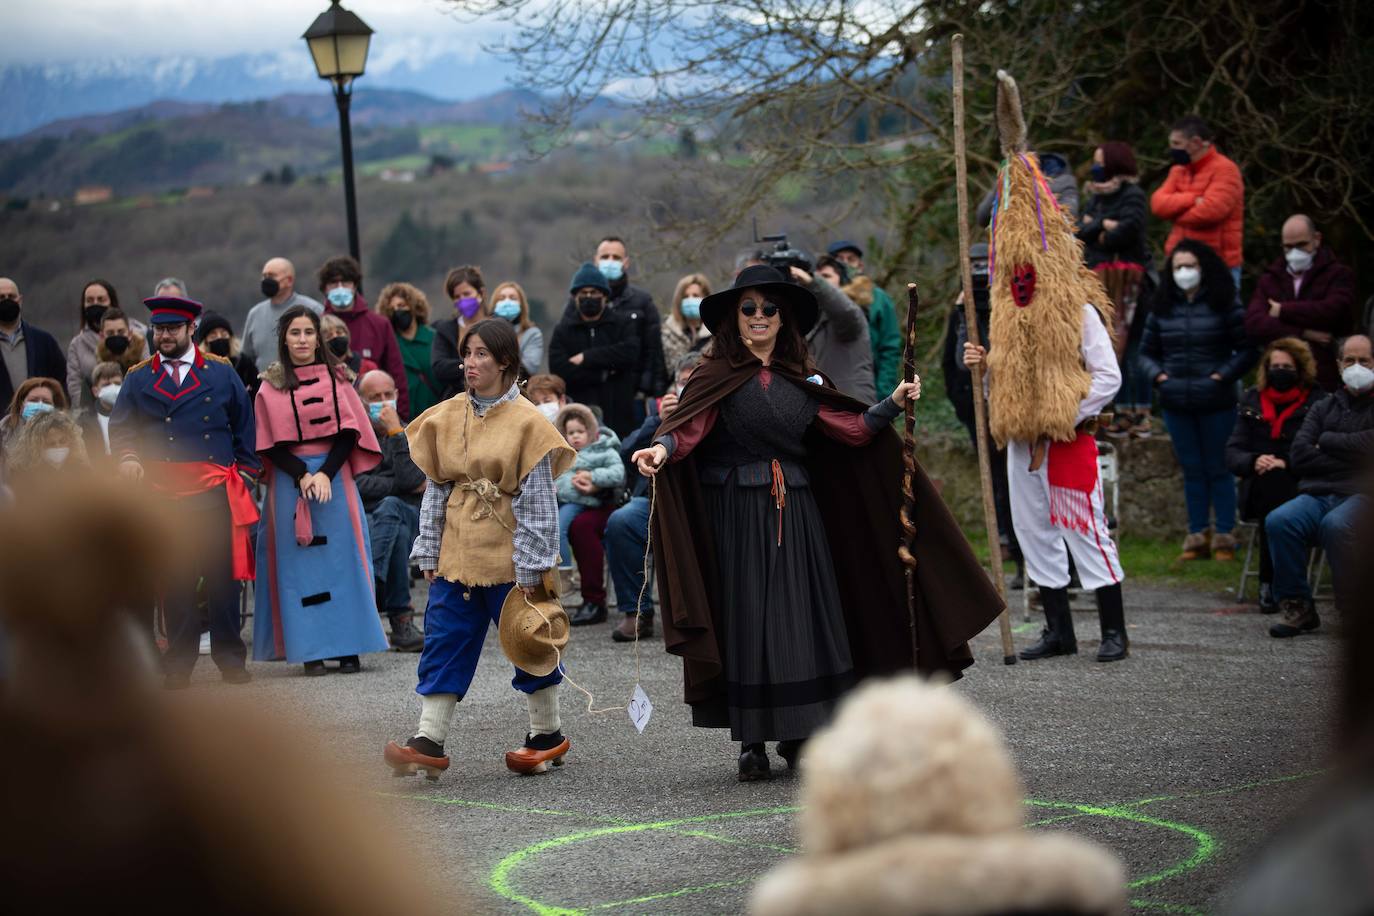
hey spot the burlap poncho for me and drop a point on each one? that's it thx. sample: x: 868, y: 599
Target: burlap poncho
x: 486, y: 458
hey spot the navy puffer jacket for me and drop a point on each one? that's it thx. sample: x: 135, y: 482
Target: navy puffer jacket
x: 1189, y: 343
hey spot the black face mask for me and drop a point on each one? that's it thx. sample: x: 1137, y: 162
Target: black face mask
x: 402, y: 319
x: 93, y: 314
x: 590, y: 306
x: 9, y: 309
x: 117, y: 344
x: 1179, y: 156
x: 219, y: 347
x: 1282, y: 379
x: 338, y: 346
x: 270, y: 287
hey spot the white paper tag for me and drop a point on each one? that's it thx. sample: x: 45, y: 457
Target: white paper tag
x: 640, y: 708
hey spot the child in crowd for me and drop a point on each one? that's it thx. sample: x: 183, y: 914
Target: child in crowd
x: 586, y: 499
x: 547, y: 392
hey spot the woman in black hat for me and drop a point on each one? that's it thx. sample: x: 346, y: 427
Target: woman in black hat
x: 776, y: 529
x: 215, y: 336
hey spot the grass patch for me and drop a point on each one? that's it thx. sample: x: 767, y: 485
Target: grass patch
x: 1152, y: 562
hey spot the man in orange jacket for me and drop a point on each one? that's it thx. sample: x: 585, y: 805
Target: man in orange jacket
x: 1203, y: 195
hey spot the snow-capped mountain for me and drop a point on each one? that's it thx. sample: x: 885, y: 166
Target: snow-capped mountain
x: 36, y: 94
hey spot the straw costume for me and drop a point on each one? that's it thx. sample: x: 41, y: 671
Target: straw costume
x: 1051, y: 369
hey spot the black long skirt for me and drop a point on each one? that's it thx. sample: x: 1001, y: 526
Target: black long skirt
x: 786, y: 651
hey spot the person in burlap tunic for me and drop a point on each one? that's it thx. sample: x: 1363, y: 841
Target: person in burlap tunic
x: 488, y: 524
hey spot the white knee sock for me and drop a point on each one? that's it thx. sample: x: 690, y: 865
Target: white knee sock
x: 544, y: 711
x: 436, y: 712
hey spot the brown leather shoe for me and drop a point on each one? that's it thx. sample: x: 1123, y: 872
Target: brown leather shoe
x: 1299, y: 616
x: 528, y: 760
x: 1196, y: 546
x: 408, y: 759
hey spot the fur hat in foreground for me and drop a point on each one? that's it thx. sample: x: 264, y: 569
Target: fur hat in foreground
x: 911, y: 806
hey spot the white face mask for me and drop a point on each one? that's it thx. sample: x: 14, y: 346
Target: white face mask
x: 1357, y: 378
x: 108, y: 395
x: 1298, y: 260
x: 56, y: 456
x: 549, y: 409
x: 1187, y: 277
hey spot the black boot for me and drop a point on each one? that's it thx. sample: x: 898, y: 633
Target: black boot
x: 404, y: 636
x: 1268, y: 604
x: 1116, y: 645
x: 753, y: 763
x: 587, y: 614
x: 1057, y: 638
x: 790, y: 751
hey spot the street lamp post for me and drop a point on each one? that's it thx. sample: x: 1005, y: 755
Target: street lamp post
x: 338, y: 42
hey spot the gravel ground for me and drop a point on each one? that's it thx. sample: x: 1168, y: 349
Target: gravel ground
x: 1183, y: 759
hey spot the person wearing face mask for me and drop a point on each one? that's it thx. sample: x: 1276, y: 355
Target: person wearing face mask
x: 465, y: 287
x: 97, y: 297
x: 548, y: 393
x: 596, y: 352
x: 1331, y: 455
x: 408, y: 311
x: 391, y: 494
x: 106, y: 381
x: 1270, y: 415
x: 335, y: 336
x: 508, y: 303
x: 635, y: 308
x: 27, y: 351
x: 1195, y: 349
x: 48, y: 444
x: 1203, y: 195
x: 118, y: 344
x: 215, y: 337
x: 683, y: 331
x: 278, y: 285
x: 1112, y: 230
x: 33, y: 397
x: 370, y: 335
x: 1306, y: 293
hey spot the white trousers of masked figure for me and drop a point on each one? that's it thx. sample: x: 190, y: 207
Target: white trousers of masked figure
x: 1047, y: 547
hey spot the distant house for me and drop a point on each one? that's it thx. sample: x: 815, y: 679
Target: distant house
x: 93, y: 194
x: 200, y: 192
x: 403, y: 176
x: 494, y: 168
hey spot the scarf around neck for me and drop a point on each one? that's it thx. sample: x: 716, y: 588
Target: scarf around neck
x: 1270, y: 402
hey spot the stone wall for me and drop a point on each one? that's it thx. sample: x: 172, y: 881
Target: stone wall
x: 1151, y: 497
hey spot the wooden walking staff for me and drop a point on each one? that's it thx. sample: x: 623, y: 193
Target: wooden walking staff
x: 980, y: 409
x: 908, y: 511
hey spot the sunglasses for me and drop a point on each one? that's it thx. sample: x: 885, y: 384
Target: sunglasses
x: 749, y: 309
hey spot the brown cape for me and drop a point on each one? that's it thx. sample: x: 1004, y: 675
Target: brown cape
x: 858, y: 491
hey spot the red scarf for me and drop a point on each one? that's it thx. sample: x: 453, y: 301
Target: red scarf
x: 1271, y: 400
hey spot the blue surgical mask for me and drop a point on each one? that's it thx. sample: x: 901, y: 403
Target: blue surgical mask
x: 508, y: 309
x: 691, y: 308
x: 611, y: 269
x: 341, y: 297
x: 34, y: 408
x: 375, y: 408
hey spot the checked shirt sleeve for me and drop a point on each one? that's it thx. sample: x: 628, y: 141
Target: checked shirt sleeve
x: 425, y: 553
x: 536, y: 525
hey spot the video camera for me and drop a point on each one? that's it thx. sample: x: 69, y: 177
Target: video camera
x: 782, y: 255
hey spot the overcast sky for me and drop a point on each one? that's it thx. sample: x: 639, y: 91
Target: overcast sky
x: 64, y: 31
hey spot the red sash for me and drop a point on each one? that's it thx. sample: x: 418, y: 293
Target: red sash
x: 190, y: 478
x: 1072, y: 476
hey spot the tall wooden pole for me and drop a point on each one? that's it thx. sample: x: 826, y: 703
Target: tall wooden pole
x: 908, y: 511
x: 980, y: 410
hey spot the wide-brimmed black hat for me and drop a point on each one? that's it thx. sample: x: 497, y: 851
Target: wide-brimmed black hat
x: 797, y: 300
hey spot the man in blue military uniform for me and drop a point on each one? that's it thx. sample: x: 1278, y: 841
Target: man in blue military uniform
x: 184, y: 422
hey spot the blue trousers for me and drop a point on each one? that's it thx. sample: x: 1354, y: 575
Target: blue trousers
x: 566, y: 513
x: 1137, y: 388
x: 1200, y: 444
x: 1294, y: 527
x: 393, y: 524
x: 455, y: 628
x: 627, y: 535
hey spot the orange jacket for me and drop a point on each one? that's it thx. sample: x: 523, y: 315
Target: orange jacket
x: 1216, y: 219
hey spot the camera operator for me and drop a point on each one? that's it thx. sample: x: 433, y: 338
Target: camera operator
x: 839, y: 342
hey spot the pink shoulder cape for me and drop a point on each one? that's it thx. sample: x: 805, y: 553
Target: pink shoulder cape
x: 322, y: 405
